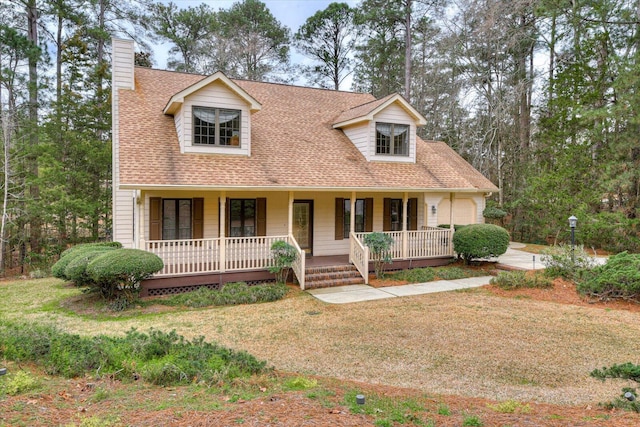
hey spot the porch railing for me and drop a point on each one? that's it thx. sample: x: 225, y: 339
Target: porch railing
x: 184, y: 257
x: 429, y: 243
x: 359, y: 256
x: 299, y: 264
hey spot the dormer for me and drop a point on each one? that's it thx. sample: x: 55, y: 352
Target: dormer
x: 383, y: 130
x: 213, y: 116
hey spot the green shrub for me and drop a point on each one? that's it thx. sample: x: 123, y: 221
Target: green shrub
x: 26, y: 342
x: 480, y: 241
x: 114, y: 245
x: 119, y: 273
x: 229, y: 294
x: 76, y: 269
x: 379, y: 245
x: 284, y: 255
x: 18, y: 383
x: 158, y: 357
x: 627, y: 371
x: 415, y: 275
x: 59, y: 268
x: 520, y: 279
x: 619, y: 278
x: 566, y: 262
x: 492, y: 212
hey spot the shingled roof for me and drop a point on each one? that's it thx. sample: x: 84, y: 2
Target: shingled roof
x: 293, y: 145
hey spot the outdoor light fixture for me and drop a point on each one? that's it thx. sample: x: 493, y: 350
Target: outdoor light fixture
x: 433, y: 209
x: 573, y: 221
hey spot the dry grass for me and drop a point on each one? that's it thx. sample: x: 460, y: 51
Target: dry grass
x: 468, y: 343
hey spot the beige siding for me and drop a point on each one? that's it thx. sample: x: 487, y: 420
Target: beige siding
x: 464, y: 211
x: 123, y: 201
x: 359, y: 136
x: 214, y: 95
x: 324, y: 242
x: 394, y: 114
x: 179, y: 131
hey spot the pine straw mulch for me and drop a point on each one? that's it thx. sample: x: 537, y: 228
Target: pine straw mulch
x: 78, y: 401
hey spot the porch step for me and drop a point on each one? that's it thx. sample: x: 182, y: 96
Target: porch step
x: 334, y: 275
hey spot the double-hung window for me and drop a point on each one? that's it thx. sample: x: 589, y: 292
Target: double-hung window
x: 242, y: 217
x: 364, y: 217
x: 392, y: 139
x: 360, y: 217
x: 176, y: 219
x: 216, y: 126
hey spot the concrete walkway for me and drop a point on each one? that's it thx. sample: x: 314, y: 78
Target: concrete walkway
x: 356, y: 293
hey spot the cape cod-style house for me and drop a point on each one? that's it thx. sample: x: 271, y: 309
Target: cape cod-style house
x: 209, y: 171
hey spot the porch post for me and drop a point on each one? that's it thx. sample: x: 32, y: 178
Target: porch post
x: 405, y: 212
x: 352, y: 220
x: 142, y: 213
x: 290, y: 219
x: 452, y: 197
x: 223, y: 231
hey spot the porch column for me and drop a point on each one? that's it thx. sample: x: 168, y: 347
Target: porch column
x: 290, y: 215
x: 141, y: 201
x: 452, y: 197
x: 405, y: 216
x: 223, y: 231
x: 352, y: 220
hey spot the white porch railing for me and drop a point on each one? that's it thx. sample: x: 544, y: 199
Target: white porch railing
x: 299, y: 264
x: 193, y: 256
x: 249, y: 253
x: 359, y: 256
x: 429, y: 243
x: 185, y: 257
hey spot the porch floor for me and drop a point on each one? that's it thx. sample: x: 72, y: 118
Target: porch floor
x: 324, y: 261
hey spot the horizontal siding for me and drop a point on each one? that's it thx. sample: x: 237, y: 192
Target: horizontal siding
x: 122, y: 75
x: 395, y: 114
x: 122, y: 63
x: 123, y: 217
x: 216, y: 95
x: 359, y: 136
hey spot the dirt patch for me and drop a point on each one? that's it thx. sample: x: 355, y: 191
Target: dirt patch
x: 563, y: 292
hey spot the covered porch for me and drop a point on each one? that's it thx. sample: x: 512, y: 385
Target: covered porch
x: 323, y: 227
x: 232, y: 254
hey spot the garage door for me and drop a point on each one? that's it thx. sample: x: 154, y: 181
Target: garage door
x: 464, y: 211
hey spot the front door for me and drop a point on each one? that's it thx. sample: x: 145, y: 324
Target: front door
x: 303, y: 224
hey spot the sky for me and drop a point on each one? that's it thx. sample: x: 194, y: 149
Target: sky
x: 291, y: 13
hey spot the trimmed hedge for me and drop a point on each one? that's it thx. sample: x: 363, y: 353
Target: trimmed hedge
x: 59, y: 269
x: 114, y: 245
x: 106, y: 268
x: 480, y: 241
x: 121, y: 271
x: 76, y: 269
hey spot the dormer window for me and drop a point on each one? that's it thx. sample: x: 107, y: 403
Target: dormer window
x: 392, y: 139
x: 216, y: 126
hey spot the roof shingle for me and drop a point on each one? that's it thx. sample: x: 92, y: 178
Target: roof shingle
x: 294, y: 145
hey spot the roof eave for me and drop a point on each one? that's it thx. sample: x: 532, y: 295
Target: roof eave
x: 155, y: 187
x: 178, y: 99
